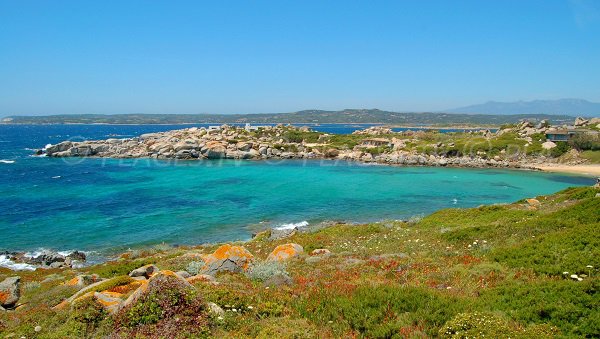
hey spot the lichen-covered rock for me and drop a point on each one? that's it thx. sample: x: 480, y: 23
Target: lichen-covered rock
x: 158, y: 283
x: 282, y: 233
x: 83, y: 280
x: 285, y: 252
x: 9, y: 292
x: 202, y: 278
x: 110, y: 301
x: 145, y: 271
x: 227, y: 258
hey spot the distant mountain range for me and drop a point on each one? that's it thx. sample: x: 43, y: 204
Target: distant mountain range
x: 347, y: 116
x: 572, y: 107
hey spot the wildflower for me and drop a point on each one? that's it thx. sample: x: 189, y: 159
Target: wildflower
x: 565, y: 273
x: 589, y: 266
x: 250, y: 307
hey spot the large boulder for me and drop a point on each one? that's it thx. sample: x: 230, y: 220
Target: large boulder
x: 548, y: 145
x: 60, y: 147
x: 158, y: 283
x: 83, y: 280
x: 227, y: 258
x: 9, y: 292
x: 214, y: 150
x: 285, y: 252
x: 145, y: 271
x: 580, y: 122
x: 282, y: 233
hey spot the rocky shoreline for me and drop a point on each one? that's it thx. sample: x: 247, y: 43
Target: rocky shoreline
x: 273, y: 142
x: 44, y: 259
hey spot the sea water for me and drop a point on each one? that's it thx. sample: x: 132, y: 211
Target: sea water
x: 109, y: 205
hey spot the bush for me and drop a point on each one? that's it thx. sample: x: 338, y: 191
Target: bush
x: 485, y: 324
x: 382, y: 311
x: 88, y: 312
x: 560, y: 149
x: 262, y: 271
x: 569, y: 305
x: 194, y: 267
x: 584, y: 142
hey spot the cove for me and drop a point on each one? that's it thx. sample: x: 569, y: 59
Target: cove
x: 108, y: 205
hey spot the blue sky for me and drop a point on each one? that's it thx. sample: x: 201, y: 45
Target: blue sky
x: 61, y: 57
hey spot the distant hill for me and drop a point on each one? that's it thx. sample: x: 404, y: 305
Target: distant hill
x: 301, y: 117
x: 572, y: 107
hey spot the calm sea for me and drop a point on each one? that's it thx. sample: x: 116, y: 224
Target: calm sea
x: 108, y: 205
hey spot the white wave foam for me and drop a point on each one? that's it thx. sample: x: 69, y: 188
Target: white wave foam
x: 6, y: 262
x: 56, y: 177
x: 47, y: 146
x: 7, y: 161
x: 292, y: 225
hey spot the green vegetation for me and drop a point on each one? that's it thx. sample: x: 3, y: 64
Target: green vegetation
x: 592, y: 156
x: 498, y: 271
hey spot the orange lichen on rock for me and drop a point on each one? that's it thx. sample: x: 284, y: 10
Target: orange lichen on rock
x: 112, y: 294
x: 201, y: 278
x: 62, y: 305
x: 3, y: 297
x: 285, y: 252
x: 72, y: 282
x: 232, y: 256
x: 124, y: 289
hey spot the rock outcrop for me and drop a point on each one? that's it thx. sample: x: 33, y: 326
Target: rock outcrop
x: 227, y: 258
x: 285, y: 252
x: 9, y: 292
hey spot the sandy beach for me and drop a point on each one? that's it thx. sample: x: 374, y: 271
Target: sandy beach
x: 591, y: 170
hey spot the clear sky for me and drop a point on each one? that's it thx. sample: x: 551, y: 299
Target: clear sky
x: 279, y: 56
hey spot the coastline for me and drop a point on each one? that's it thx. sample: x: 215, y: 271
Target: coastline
x: 587, y: 170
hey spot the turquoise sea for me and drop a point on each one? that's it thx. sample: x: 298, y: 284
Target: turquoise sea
x: 108, y: 205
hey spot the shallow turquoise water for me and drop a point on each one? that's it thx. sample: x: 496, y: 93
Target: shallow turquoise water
x: 109, y: 205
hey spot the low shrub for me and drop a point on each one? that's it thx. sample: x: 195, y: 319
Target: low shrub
x: 571, y: 306
x: 491, y: 325
x: 382, y: 311
x: 262, y: 271
x: 194, y: 267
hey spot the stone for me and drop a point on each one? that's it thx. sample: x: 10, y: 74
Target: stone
x: 83, y: 280
x: 214, y: 150
x: 548, y: 145
x: 227, y: 258
x: 321, y: 251
x: 145, y: 271
x: 282, y: 233
x: 77, y: 255
x: 38, y: 328
x: 111, y: 302
x: 215, y: 309
x: 45, y: 258
x: 285, y: 252
x: 533, y: 202
x: 580, y: 122
x: 183, y: 274
x: 9, y: 292
x: 244, y: 146
x: 156, y: 283
x: 201, y: 278
x: 60, y: 147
